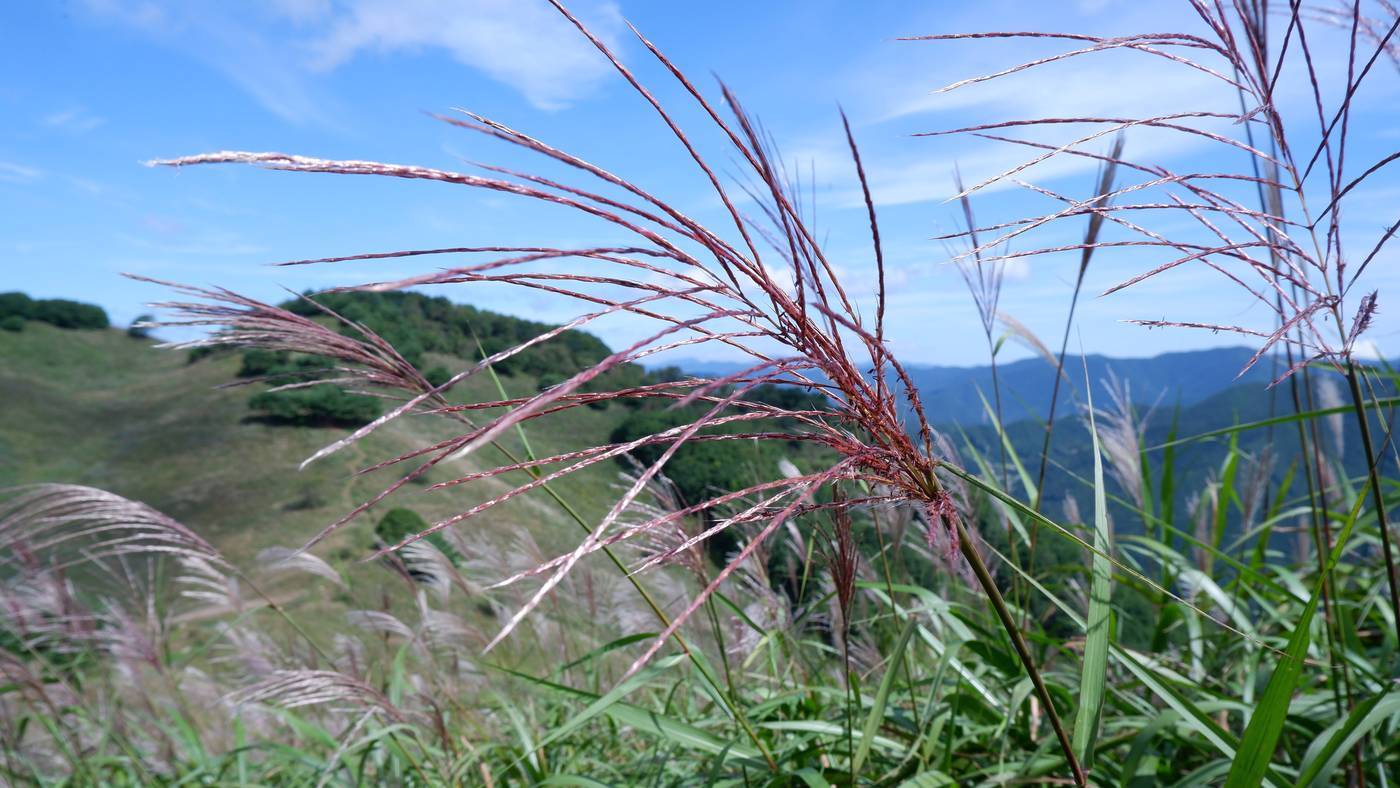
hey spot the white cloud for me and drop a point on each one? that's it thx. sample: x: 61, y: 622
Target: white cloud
x: 526, y: 45
x: 275, y: 50
x: 76, y: 120
x: 1368, y: 350
x: 11, y: 172
x: 242, y: 43
x: 1098, y: 84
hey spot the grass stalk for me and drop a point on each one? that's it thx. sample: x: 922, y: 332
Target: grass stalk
x: 1377, y: 494
x: 1008, y: 623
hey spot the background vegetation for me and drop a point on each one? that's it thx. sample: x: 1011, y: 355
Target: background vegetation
x: 16, y: 308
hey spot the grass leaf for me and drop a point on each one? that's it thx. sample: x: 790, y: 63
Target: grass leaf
x: 1327, y: 751
x: 882, y: 695
x: 1097, y: 628
x: 1260, y: 739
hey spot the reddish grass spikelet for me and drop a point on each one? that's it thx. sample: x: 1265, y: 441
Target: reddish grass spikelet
x: 1295, y: 254
x: 816, y: 323
x: 783, y: 308
x: 838, y: 546
x: 1291, y: 255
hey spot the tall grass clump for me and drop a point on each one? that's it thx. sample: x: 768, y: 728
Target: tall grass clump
x: 859, y: 626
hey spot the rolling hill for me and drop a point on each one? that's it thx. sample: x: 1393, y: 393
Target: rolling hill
x: 104, y: 409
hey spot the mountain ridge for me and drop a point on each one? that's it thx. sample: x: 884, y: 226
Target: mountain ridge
x: 951, y: 393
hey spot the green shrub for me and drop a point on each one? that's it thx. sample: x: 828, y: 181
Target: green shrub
x: 437, y: 376
x: 259, y: 363
x: 16, y: 305
x: 138, y: 331
x: 322, y: 405
x: 787, y: 397
x: 416, y: 324
x: 69, y: 314
x: 55, y: 311
x: 201, y: 352
x: 12, y: 323
x: 399, y: 524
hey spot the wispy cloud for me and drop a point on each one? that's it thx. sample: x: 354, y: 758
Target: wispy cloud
x: 10, y: 172
x: 245, y: 43
x: 1108, y: 83
x: 75, y: 119
x: 277, y: 51
x: 527, y: 46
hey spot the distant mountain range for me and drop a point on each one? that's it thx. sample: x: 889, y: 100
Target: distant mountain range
x: 951, y: 394
x: 1174, y: 394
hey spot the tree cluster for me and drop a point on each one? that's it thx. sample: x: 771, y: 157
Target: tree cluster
x: 16, y: 308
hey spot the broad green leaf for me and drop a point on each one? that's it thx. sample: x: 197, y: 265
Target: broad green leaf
x: 649, y: 722
x: 1260, y: 739
x: 1097, y: 623
x: 882, y: 695
x: 931, y: 779
x: 1333, y: 745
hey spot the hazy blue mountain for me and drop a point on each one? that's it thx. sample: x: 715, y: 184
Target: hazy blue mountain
x: 1196, y: 463
x: 1185, y: 393
x: 950, y: 394
x: 703, y: 368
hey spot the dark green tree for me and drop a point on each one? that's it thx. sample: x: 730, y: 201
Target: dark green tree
x: 64, y: 313
x: 138, y: 331
x: 322, y: 405
x: 398, y: 524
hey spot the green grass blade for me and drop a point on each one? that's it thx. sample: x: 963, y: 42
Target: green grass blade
x: 1097, y: 624
x: 571, y: 780
x: 645, y: 721
x: 1376, y: 404
x: 1261, y: 735
x: 1327, y: 751
x: 1166, y: 488
x: 930, y: 779
x: 1158, y: 684
x: 882, y: 695
x: 615, y: 695
x: 602, y: 650
x: 1266, y: 723
x: 812, y: 778
x: 1011, y: 453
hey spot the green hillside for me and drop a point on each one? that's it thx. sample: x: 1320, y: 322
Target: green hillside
x: 101, y: 408
x: 108, y: 409
x: 104, y: 408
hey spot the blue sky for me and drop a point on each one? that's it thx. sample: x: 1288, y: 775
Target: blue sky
x: 95, y: 87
